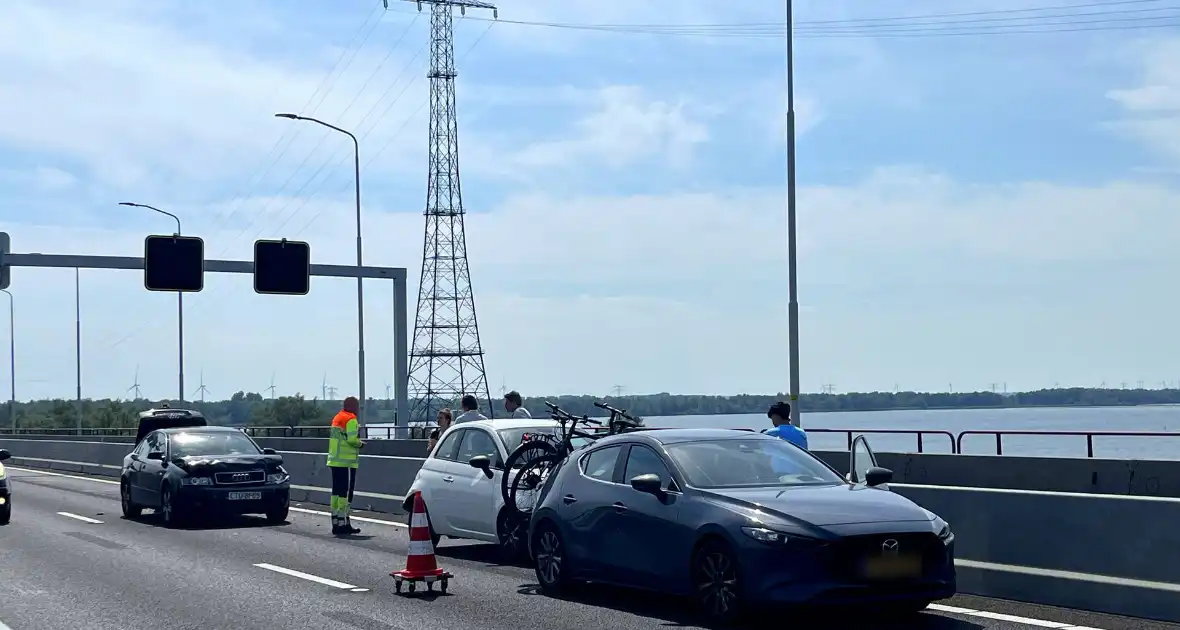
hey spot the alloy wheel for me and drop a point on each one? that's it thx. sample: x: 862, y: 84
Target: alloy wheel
x: 166, y: 506
x: 550, y: 557
x: 717, y: 583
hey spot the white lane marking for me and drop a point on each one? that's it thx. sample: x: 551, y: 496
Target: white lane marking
x: 361, y: 519
x: 307, y: 576
x: 38, y: 471
x: 4, y: 627
x: 1027, y: 621
x: 84, y: 519
x: 1069, y: 575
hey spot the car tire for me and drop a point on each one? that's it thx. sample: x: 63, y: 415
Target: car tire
x: 434, y: 538
x: 278, y: 514
x: 905, y: 609
x: 512, y: 530
x: 551, y: 563
x: 715, y: 577
x: 169, y: 511
x: 130, y: 509
x: 6, y: 512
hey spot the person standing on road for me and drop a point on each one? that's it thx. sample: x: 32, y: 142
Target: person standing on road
x: 344, y: 446
x: 780, y: 416
x: 513, y: 405
x: 444, y: 423
x: 470, y: 408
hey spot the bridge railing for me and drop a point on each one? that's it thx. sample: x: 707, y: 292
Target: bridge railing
x: 420, y: 433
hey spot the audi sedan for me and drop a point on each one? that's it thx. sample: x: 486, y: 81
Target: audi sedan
x: 183, y: 471
x: 735, y: 519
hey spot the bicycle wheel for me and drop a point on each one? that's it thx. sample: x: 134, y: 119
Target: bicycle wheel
x: 521, y: 456
x: 525, y: 489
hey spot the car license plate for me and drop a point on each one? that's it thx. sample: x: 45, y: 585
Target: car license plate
x: 893, y: 567
x: 245, y: 496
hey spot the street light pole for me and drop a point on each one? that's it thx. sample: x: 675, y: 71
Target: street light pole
x: 360, y: 287
x: 11, y: 358
x: 793, y: 279
x: 179, y: 305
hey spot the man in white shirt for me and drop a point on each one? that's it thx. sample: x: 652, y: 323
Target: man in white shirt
x: 512, y: 404
x: 470, y: 407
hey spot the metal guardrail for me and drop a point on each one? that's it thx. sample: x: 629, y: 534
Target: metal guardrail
x: 1089, y: 435
x: 421, y: 433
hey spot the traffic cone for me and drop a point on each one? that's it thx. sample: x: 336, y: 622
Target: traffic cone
x: 420, y: 561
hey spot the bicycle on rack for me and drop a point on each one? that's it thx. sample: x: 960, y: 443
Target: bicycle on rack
x: 539, y: 454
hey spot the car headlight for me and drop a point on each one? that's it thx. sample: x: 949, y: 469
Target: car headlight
x: 196, y: 481
x: 280, y: 476
x: 772, y: 537
x: 943, y: 529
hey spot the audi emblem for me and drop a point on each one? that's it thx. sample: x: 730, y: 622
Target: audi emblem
x: 247, y: 476
x: 890, y: 547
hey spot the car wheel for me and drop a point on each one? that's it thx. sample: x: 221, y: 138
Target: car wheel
x: 278, y: 514
x: 551, y: 563
x: 715, y: 580
x: 905, y: 609
x: 169, y: 512
x: 434, y: 538
x: 130, y: 509
x: 6, y: 512
x: 512, y: 530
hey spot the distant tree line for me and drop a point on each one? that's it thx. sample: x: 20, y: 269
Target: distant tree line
x: 252, y: 409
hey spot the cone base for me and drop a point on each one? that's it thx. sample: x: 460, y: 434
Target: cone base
x: 429, y: 575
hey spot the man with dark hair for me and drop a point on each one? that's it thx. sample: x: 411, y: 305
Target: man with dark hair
x: 470, y: 407
x: 513, y: 404
x: 780, y: 416
x: 344, y: 446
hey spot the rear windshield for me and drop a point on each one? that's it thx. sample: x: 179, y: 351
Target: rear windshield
x: 195, y: 444
x: 515, y: 437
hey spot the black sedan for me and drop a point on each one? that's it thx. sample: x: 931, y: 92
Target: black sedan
x: 182, y: 471
x: 5, y: 490
x: 734, y: 518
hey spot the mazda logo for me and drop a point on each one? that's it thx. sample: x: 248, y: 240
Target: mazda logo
x: 890, y: 547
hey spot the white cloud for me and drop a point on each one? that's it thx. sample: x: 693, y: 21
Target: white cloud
x: 41, y: 179
x: 1154, y: 107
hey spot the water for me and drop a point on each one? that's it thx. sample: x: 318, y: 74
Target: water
x: 1142, y: 418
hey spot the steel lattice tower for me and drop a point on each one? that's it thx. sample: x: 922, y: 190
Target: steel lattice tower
x: 446, y: 358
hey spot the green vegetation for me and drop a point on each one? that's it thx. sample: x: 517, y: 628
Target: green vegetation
x: 252, y: 409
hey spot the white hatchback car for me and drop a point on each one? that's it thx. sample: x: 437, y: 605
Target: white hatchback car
x: 461, y: 500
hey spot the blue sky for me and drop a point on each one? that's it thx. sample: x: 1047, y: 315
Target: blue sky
x: 972, y: 209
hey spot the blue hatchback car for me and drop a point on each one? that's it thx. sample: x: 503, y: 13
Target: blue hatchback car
x: 734, y: 518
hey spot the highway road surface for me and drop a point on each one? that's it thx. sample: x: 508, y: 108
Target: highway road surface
x: 69, y: 561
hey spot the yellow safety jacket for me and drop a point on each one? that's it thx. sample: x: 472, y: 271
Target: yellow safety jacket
x: 344, y: 441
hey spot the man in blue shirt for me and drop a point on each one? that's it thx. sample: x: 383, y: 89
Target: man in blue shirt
x: 780, y: 415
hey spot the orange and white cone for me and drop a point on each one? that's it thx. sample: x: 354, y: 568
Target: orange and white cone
x: 420, y: 561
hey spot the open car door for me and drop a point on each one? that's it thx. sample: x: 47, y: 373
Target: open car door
x: 862, y: 465
x: 154, y: 419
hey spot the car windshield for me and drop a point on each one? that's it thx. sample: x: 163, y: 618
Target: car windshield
x: 194, y: 444
x: 749, y: 463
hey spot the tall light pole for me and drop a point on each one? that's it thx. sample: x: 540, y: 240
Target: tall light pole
x: 11, y: 358
x: 179, y: 304
x: 793, y: 279
x: 360, y: 287
x: 78, y: 339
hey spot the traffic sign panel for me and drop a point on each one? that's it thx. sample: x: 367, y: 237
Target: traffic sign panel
x: 174, y: 263
x: 282, y: 267
x: 5, y: 273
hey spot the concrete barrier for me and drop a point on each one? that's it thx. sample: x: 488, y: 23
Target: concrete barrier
x: 1107, y: 552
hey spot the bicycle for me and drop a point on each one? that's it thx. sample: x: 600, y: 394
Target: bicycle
x: 540, y: 454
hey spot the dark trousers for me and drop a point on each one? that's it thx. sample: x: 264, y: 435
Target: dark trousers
x: 343, y: 482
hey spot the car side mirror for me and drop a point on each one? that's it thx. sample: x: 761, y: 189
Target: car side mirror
x: 648, y: 484
x: 4, y: 454
x: 269, y: 451
x: 156, y: 455
x: 483, y: 463
x: 877, y: 476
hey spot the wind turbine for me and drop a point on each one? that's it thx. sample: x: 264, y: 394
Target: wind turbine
x: 135, y: 387
x: 202, y: 390
x: 271, y: 389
